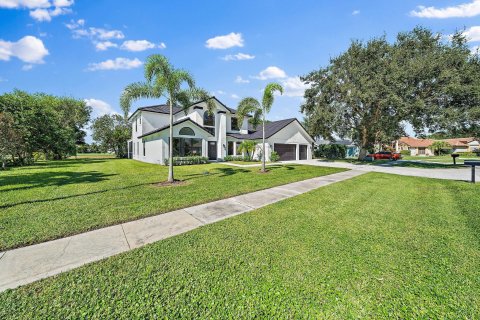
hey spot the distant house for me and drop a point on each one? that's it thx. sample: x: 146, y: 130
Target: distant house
x: 422, y: 147
x: 460, y: 145
x: 417, y: 147
x: 352, y: 149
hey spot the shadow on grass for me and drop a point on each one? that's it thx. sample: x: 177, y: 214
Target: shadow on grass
x: 51, y: 178
x: 10, y: 205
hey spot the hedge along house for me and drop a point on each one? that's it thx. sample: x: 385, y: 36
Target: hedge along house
x: 196, y: 132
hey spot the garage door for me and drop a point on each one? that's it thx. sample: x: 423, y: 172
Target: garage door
x: 286, y: 151
x: 303, y: 152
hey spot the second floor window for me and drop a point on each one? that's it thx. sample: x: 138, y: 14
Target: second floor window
x: 234, y: 124
x: 208, y: 119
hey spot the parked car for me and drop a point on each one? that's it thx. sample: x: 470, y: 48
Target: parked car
x: 385, y: 155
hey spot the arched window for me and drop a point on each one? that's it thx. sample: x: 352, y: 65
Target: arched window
x: 186, y: 131
x: 208, y: 119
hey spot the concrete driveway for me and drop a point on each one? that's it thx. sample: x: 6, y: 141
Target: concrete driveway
x: 463, y: 174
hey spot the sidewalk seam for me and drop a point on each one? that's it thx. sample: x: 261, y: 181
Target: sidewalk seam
x: 126, y: 239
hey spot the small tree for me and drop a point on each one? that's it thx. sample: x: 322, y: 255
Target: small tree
x: 259, y: 110
x: 112, y: 132
x: 248, y: 147
x: 439, y: 145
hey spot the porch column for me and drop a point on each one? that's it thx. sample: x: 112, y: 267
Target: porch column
x: 297, y: 156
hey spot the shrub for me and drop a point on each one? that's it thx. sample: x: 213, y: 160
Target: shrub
x: 405, y: 152
x: 238, y: 158
x: 274, y: 157
x: 331, y: 151
x: 182, y: 161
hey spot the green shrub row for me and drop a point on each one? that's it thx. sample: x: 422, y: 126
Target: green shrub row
x: 182, y: 161
x: 331, y: 151
x: 238, y: 158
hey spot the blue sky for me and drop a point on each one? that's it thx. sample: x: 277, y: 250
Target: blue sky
x: 92, y: 49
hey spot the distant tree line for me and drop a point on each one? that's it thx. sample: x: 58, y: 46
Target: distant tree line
x: 33, y: 124
x: 112, y: 132
x: 370, y: 91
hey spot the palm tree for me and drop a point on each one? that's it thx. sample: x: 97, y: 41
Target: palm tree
x: 165, y: 81
x: 251, y: 105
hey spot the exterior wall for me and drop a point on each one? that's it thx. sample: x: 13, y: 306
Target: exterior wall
x: 414, y: 151
x: 291, y: 134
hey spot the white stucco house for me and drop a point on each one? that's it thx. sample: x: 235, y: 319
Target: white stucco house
x: 216, y: 135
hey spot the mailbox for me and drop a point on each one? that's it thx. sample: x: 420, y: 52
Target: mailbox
x: 454, y: 157
x: 473, y: 164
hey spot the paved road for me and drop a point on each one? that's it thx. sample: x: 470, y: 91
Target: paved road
x: 463, y: 174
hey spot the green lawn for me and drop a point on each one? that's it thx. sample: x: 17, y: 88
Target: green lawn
x: 55, y: 199
x: 447, y: 159
x: 407, y: 162
x: 376, y: 246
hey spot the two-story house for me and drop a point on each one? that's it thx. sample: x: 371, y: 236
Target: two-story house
x: 215, y: 135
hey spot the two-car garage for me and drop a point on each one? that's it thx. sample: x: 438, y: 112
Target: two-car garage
x: 289, y: 151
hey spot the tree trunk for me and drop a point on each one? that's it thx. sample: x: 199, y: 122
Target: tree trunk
x: 263, y: 143
x: 363, y: 143
x: 170, y: 144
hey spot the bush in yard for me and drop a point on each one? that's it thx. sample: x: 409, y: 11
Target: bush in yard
x: 182, y: 161
x: 331, y: 151
x: 405, y: 152
x: 248, y: 147
x: 274, y: 157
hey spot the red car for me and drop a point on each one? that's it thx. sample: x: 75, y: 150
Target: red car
x: 385, y: 155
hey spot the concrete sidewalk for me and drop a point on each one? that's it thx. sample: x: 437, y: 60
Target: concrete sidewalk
x: 28, y: 264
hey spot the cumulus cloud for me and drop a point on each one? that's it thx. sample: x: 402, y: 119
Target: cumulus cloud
x: 293, y: 87
x: 234, y: 96
x: 115, y: 64
x: 102, y: 46
x: 470, y: 9
x: 29, y: 4
x: 224, y: 42
x: 28, y: 49
x: 271, y: 72
x: 139, y: 45
x: 238, y: 56
x: 27, y: 67
x: 472, y: 34
x: 41, y: 10
x: 355, y: 12
x: 239, y: 79
x: 99, y: 107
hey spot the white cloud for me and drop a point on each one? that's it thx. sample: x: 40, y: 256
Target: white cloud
x: 137, y: 45
x: 224, y: 42
x: 463, y: 10
x: 473, y: 34
x: 238, y: 56
x: 27, y: 67
x: 28, y: 49
x: 29, y: 4
x: 220, y: 92
x: 293, y: 87
x: 116, y: 64
x: 271, y: 72
x: 102, y: 46
x: 99, y: 107
x: 75, y: 24
x: 41, y: 10
x: 234, y: 96
x: 239, y: 79
x: 162, y: 45
x: 355, y: 12
x: 104, y: 34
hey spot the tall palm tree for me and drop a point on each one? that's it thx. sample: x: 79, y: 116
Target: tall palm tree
x: 251, y: 105
x: 162, y: 80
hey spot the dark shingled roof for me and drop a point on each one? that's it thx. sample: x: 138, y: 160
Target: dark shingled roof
x: 161, y: 108
x: 270, y: 129
x: 174, y: 124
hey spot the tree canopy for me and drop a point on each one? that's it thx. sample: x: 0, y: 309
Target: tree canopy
x: 41, y: 123
x: 112, y: 133
x: 371, y: 90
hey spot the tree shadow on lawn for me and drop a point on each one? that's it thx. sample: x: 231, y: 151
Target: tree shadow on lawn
x: 51, y: 178
x: 66, y: 163
x: 5, y: 206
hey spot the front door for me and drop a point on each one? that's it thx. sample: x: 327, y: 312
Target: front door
x: 212, y: 150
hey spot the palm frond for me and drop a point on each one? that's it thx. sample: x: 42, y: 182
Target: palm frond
x: 135, y: 91
x: 246, y: 106
x: 157, y: 66
x: 268, y: 95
